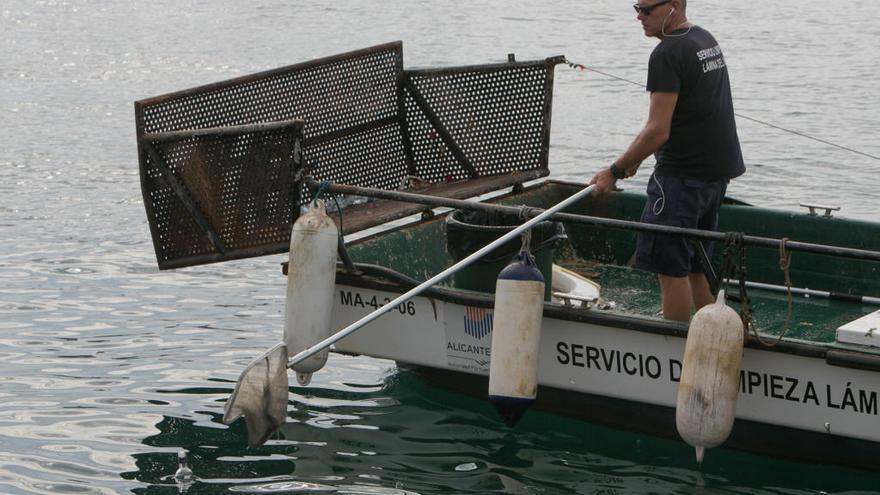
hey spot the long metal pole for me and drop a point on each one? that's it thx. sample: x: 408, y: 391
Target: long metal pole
x: 837, y: 296
x: 437, y: 201
x: 305, y: 353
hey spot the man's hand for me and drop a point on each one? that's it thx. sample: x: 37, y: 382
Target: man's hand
x: 604, y: 181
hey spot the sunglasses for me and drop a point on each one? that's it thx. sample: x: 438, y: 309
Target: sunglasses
x: 647, y: 9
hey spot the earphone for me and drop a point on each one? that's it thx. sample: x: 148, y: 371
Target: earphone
x: 663, y: 26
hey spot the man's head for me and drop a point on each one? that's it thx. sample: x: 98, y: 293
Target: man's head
x: 659, y: 15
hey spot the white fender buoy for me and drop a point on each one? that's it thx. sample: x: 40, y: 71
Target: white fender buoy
x: 311, y: 274
x: 709, y: 386
x: 516, y: 336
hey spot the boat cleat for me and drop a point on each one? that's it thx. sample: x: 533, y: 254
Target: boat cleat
x: 814, y: 207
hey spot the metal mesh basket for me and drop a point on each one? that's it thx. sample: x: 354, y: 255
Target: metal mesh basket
x: 221, y: 164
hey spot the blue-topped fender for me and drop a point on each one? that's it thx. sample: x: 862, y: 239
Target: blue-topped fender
x: 522, y: 267
x: 516, y: 337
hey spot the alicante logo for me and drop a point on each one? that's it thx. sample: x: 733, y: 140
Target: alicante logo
x: 477, y: 322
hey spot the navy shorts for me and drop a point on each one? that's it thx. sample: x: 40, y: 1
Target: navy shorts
x: 686, y: 202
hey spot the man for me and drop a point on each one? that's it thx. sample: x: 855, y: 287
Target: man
x: 692, y: 133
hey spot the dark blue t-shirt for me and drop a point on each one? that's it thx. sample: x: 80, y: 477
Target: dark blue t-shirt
x: 703, y: 140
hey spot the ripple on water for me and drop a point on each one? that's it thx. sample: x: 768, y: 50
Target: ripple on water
x: 74, y: 270
x: 115, y: 300
x: 15, y: 307
x: 58, y: 382
x: 14, y: 325
x: 372, y: 490
x: 59, y: 319
x: 65, y: 488
x: 10, y: 274
x: 29, y: 484
x: 31, y: 472
x: 94, y: 427
x: 284, y: 487
x: 306, y: 487
x: 131, y: 313
x: 117, y: 401
x: 98, y: 325
x: 74, y: 305
x: 65, y: 448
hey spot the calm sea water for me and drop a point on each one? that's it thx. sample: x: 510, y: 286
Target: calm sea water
x: 108, y: 368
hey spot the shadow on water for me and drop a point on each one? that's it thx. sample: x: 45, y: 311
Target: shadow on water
x: 407, y: 437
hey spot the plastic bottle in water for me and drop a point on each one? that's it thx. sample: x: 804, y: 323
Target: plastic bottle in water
x: 183, y: 473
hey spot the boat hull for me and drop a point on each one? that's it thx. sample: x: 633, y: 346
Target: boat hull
x: 624, y: 371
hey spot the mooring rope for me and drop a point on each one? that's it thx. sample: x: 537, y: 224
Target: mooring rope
x: 784, y: 265
x: 734, y: 246
x: 733, y: 242
x: 577, y: 66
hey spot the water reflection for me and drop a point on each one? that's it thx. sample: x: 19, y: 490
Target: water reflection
x: 426, y: 440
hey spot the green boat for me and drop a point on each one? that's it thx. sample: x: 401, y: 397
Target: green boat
x: 617, y: 362
x: 396, y: 153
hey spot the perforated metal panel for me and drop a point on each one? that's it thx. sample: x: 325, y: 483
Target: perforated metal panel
x: 333, y: 95
x: 496, y: 119
x: 221, y: 195
x: 375, y: 158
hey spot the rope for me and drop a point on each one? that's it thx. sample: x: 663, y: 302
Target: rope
x: 526, y: 241
x: 524, y: 214
x: 801, y: 134
x: 321, y: 191
x: 728, y: 268
x: 758, y: 121
x: 322, y: 187
x: 745, y: 310
x: 784, y: 266
x: 735, y: 247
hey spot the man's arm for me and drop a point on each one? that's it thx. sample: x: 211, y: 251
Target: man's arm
x: 651, y: 137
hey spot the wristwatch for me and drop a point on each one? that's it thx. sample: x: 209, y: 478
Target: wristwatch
x: 617, y: 172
